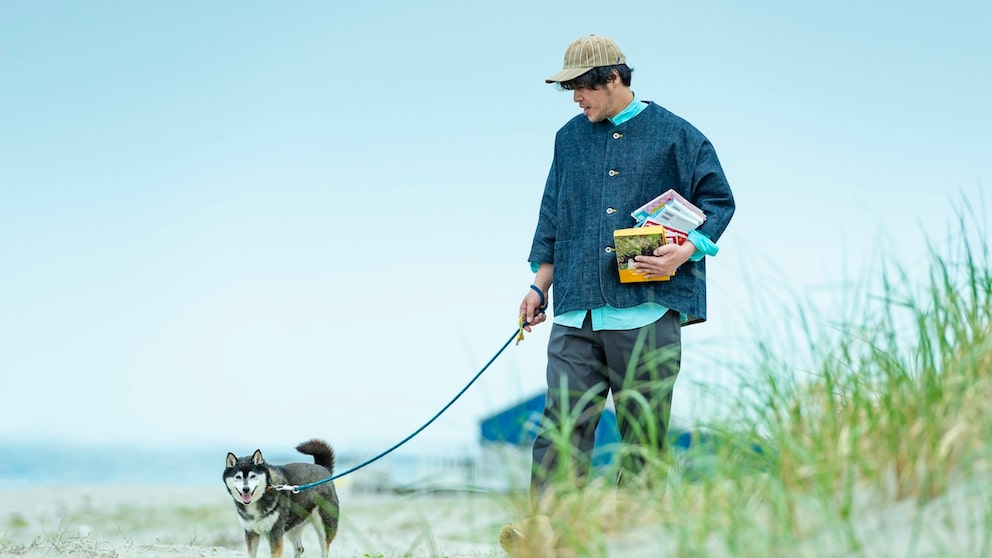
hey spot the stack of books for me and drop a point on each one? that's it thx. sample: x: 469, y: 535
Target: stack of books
x: 667, y: 218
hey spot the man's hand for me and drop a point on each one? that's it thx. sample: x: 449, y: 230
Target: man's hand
x: 531, y: 311
x: 665, y: 261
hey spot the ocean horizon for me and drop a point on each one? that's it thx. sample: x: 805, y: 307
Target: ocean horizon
x: 26, y: 464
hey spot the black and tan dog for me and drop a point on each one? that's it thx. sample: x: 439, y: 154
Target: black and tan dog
x: 263, y: 510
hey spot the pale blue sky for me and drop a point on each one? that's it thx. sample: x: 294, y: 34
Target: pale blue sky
x: 254, y: 223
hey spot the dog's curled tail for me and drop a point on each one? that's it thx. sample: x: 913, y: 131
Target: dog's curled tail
x: 322, y: 453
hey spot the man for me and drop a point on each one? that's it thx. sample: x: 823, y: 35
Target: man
x: 607, y: 336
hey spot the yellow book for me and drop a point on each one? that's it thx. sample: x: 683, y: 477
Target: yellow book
x: 638, y: 241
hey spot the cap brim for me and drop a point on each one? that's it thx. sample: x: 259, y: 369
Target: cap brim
x: 567, y: 74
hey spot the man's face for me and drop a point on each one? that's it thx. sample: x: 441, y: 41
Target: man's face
x: 599, y: 104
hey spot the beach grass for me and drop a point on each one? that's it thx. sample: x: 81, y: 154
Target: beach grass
x: 874, y: 443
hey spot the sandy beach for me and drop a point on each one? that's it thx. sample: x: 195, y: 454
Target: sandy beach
x: 118, y: 521
x: 145, y: 522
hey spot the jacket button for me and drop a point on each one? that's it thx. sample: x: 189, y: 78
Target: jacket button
x: 608, y: 249
x: 617, y: 135
x: 610, y: 211
x: 614, y: 172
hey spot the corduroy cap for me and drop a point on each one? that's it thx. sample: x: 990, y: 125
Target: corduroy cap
x: 587, y: 53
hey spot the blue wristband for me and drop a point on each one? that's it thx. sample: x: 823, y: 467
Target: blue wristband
x: 540, y: 293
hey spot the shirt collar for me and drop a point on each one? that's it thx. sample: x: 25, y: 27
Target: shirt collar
x: 633, y: 109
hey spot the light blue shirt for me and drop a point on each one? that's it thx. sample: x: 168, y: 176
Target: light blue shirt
x: 608, y: 317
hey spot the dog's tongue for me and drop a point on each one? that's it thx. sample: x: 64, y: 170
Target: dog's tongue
x: 246, y: 497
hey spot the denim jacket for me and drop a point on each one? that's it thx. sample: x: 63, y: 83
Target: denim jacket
x: 599, y: 175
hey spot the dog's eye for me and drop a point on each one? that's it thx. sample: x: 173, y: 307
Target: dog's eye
x: 251, y: 476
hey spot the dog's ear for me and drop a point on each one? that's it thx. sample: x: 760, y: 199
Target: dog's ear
x: 256, y: 458
x: 232, y: 460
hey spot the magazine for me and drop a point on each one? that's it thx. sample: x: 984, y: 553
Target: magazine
x: 672, y: 210
x: 637, y: 241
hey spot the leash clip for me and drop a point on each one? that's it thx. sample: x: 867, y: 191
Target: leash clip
x: 288, y: 488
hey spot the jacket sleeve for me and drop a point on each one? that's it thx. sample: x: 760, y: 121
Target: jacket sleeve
x: 543, y: 247
x: 711, y: 192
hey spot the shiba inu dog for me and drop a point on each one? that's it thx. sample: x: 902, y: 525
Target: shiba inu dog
x: 263, y: 510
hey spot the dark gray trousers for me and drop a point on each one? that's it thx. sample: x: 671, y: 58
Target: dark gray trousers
x: 638, y: 366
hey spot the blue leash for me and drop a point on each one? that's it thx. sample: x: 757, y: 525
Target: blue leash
x: 517, y: 334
